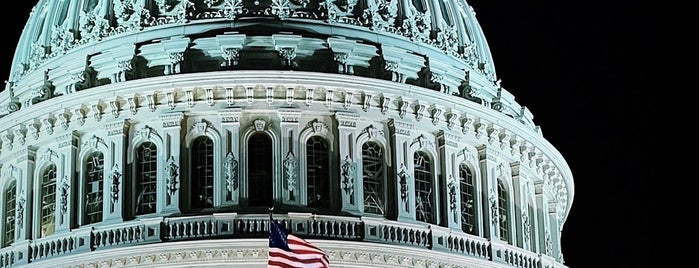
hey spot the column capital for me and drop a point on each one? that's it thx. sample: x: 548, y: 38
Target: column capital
x: 230, y: 116
x: 172, y: 119
x: 346, y: 120
x: 400, y: 127
x: 288, y: 115
x: 486, y: 152
x: 117, y: 128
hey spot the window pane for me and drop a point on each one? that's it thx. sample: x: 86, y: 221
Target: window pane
x: 423, y: 187
x: 318, y: 172
x: 48, y: 201
x: 10, y: 199
x: 202, y: 173
x: 373, y: 174
x: 468, y: 216
x: 260, y: 170
x: 146, y: 178
x: 503, y: 212
x: 94, y: 180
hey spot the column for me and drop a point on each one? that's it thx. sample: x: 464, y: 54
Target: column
x: 230, y: 126
x: 170, y: 181
x: 350, y: 177
x: 522, y: 219
x: 292, y: 192
x: 114, y: 170
x: 542, y: 204
x: 404, y: 182
x: 23, y: 171
x: 448, y: 150
x: 67, y: 151
x: 491, y: 216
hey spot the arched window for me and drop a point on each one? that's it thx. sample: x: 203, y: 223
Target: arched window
x: 468, y: 212
x: 146, y: 178
x: 260, y: 172
x: 48, y: 201
x: 373, y: 173
x: 202, y: 173
x: 9, y: 215
x: 318, y: 172
x: 503, y: 210
x: 423, y: 187
x: 94, y: 182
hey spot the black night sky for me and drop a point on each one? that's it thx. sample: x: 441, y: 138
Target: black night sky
x: 576, y: 66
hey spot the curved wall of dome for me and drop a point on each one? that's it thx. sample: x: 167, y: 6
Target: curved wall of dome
x: 160, y: 132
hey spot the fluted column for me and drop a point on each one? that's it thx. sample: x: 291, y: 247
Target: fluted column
x: 230, y: 125
x: 448, y: 150
x: 171, y: 180
x: 404, y: 180
x: 350, y: 178
x: 114, y: 170
x: 291, y: 190
x: 67, y: 151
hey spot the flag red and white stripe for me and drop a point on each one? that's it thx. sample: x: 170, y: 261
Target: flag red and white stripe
x: 302, y: 254
x: 290, y: 251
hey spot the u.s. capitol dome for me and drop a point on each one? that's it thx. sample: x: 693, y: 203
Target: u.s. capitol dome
x: 160, y: 132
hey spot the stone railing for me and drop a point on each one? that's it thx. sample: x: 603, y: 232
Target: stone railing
x: 233, y: 225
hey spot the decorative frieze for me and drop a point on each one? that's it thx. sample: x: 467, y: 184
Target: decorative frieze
x: 289, y: 115
x: 117, y: 128
x: 171, y: 119
x: 346, y: 119
x: 230, y: 115
x: 372, y: 132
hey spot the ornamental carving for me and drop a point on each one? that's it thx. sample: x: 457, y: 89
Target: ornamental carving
x: 403, y: 178
x: 494, y: 213
x: 549, y: 243
x: 115, y: 178
x: 200, y: 128
x: 260, y: 124
x: 526, y: 225
x: 318, y: 127
x: 93, y: 142
x: 21, y: 201
x: 65, y: 193
x: 289, y: 166
x: 231, y: 172
x: 451, y: 186
x: 348, y: 167
x: 372, y: 132
x: 171, y: 174
x: 422, y: 141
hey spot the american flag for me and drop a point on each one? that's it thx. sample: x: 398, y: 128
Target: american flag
x: 290, y: 251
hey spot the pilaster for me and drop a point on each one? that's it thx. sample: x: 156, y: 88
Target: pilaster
x: 404, y: 182
x: 350, y: 177
x: 230, y: 126
x: 65, y: 179
x: 114, y: 170
x: 170, y: 180
x: 448, y: 151
x: 491, y: 215
x: 23, y: 171
x: 291, y: 190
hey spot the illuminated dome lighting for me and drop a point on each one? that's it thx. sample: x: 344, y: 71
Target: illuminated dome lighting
x: 159, y: 132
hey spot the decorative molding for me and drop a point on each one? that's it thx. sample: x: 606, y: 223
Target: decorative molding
x: 171, y: 174
x: 48, y: 156
x: 402, y: 110
x: 172, y: 119
x: 145, y: 132
x: 289, y: 115
x: 366, y: 103
x: 451, y: 186
x: 230, y: 115
x: 419, y: 112
x: 133, y: 104
x: 348, y: 99
x: 231, y: 172
x: 65, y: 193
x: 260, y: 124
x: 385, y: 101
x: 117, y: 128
x: 372, y: 132
x: 348, y: 167
x: 289, y: 164
x: 422, y: 141
x: 93, y: 142
x: 346, y: 120
x: 80, y: 115
x: 318, y: 127
x: 200, y: 127
x: 47, y: 123
x: 403, y: 178
x: 19, y: 135
x: 170, y: 96
x: 96, y: 112
x: 494, y: 212
x: 21, y: 201
x: 115, y: 179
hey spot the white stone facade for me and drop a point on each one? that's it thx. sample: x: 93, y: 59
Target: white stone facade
x: 76, y: 174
